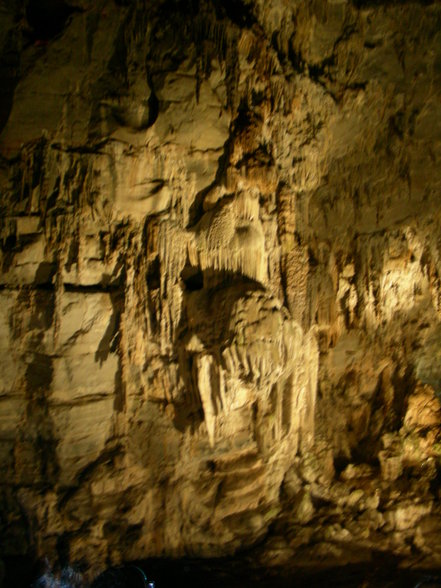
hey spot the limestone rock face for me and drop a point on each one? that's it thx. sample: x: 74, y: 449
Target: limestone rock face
x: 220, y: 283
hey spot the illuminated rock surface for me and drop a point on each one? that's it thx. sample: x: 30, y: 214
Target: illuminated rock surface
x: 220, y: 281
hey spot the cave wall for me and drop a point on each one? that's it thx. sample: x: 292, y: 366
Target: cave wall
x: 220, y: 280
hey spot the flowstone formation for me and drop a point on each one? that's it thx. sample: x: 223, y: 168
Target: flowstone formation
x: 220, y: 280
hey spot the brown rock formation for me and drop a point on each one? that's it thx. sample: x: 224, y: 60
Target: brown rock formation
x: 220, y: 280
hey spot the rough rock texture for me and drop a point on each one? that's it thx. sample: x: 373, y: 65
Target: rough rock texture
x: 220, y: 280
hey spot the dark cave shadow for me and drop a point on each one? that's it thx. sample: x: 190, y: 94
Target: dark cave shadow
x: 45, y: 20
x: 241, y: 571
x: 9, y: 83
x: 48, y: 18
x: 386, y: 3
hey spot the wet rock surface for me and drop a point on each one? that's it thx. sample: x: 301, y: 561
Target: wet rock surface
x: 220, y: 282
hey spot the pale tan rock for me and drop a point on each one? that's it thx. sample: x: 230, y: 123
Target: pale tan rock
x: 304, y: 510
x: 12, y: 413
x: 219, y: 273
x: 391, y: 465
x: 82, y: 432
x: 423, y: 409
x: 406, y: 516
x: 87, y: 320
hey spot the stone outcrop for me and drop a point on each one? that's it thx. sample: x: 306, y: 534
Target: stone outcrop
x: 220, y: 280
